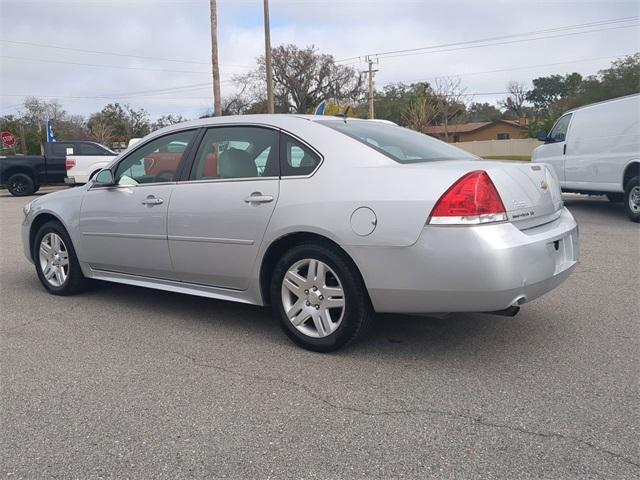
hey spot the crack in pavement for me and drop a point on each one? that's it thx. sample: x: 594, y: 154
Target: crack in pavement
x: 474, y: 419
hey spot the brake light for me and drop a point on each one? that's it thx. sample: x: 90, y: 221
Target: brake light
x: 70, y: 164
x: 471, y: 200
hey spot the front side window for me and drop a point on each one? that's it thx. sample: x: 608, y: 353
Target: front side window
x: 157, y: 161
x: 297, y: 158
x: 559, y: 131
x: 399, y: 144
x: 236, y: 152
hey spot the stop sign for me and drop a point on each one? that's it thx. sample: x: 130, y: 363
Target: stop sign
x: 8, y: 139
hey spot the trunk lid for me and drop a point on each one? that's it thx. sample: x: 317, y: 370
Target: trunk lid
x: 530, y: 192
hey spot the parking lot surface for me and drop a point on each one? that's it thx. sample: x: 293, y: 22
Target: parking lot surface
x: 132, y: 383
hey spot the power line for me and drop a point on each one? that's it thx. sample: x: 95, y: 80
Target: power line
x: 418, y: 50
x: 122, y: 67
x: 117, y: 54
x: 510, y: 42
x: 525, y: 67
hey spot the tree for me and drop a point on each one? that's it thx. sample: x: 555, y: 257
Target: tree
x: 167, y: 120
x: 123, y: 122
x: 302, y: 79
x: 394, y: 100
x: 450, y: 100
x: 421, y: 113
x: 621, y: 78
x: 515, y: 102
x: 548, y: 91
x: 482, y: 112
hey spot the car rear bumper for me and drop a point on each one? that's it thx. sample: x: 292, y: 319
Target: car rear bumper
x: 470, y: 269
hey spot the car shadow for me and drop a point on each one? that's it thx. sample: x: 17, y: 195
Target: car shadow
x: 397, y: 336
x: 595, y: 205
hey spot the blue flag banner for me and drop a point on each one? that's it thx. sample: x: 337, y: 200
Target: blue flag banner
x: 320, y: 108
x: 50, y: 135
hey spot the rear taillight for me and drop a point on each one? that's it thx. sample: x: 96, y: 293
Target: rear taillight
x: 70, y: 164
x: 471, y: 200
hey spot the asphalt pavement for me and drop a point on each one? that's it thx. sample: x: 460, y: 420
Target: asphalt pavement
x: 124, y: 382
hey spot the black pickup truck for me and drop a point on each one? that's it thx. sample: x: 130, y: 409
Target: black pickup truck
x: 23, y: 174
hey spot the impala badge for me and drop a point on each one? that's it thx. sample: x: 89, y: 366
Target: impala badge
x: 544, y: 185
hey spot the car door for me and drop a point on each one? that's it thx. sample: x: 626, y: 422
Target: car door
x: 218, y: 217
x: 554, y: 151
x: 124, y: 227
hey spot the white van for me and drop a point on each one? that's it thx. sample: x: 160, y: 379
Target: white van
x: 595, y: 149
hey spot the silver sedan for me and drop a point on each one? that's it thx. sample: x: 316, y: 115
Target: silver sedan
x: 327, y: 219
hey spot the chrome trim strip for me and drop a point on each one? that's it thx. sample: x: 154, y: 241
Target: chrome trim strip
x: 232, y: 241
x: 125, y: 235
x: 223, y: 180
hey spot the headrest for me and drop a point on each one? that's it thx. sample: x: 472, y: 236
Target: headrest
x: 236, y: 163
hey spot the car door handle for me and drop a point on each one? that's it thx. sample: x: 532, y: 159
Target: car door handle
x: 258, y: 198
x: 152, y: 201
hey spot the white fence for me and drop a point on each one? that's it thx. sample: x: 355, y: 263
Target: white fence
x: 500, y: 148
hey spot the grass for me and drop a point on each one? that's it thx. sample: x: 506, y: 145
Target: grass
x: 523, y: 158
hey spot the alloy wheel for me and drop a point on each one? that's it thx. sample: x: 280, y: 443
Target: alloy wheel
x: 54, y: 259
x: 313, y: 298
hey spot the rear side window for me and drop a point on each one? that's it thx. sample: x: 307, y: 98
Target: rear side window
x: 297, y: 158
x: 559, y: 131
x: 90, y: 149
x: 236, y: 152
x: 399, y: 144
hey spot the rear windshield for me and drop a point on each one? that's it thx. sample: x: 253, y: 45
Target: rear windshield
x: 399, y: 144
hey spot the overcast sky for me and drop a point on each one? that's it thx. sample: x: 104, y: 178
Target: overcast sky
x: 179, y: 30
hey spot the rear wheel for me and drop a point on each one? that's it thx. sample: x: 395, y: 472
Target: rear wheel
x: 632, y: 199
x: 319, y: 297
x: 615, y: 197
x: 56, y: 261
x: 20, y: 185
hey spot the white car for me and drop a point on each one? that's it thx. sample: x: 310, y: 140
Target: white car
x: 89, y: 158
x: 595, y: 149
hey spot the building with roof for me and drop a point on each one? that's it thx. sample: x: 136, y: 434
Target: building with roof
x: 468, y: 132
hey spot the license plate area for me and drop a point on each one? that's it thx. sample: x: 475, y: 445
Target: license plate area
x: 565, y: 252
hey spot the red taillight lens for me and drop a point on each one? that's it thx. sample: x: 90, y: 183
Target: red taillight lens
x: 70, y: 164
x: 471, y: 200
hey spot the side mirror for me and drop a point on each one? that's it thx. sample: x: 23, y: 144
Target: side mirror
x: 542, y: 136
x: 105, y: 178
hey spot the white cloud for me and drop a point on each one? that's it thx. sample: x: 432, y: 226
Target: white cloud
x: 347, y: 28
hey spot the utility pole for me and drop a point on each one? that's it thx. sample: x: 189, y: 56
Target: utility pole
x: 215, y: 68
x: 371, y: 72
x: 267, y: 58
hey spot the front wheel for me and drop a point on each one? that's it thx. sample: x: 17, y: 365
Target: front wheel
x: 632, y: 199
x: 21, y: 185
x: 319, y: 297
x: 56, y: 261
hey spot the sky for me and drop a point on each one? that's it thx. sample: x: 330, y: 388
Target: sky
x: 162, y: 47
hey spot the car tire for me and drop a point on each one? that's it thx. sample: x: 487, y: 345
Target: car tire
x: 21, y: 185
x: 615, y: 197
x: 318, y: 321
x: 51, y: 247
x: 632, y: 199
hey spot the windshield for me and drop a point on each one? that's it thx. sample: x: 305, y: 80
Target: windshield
x: 399, y: 144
